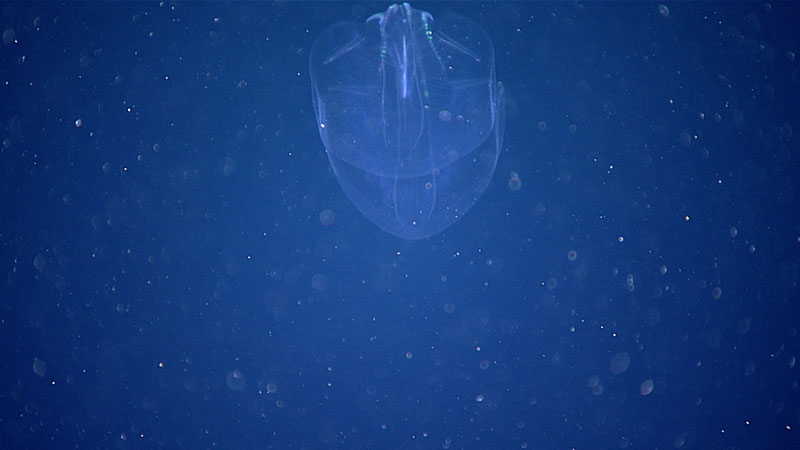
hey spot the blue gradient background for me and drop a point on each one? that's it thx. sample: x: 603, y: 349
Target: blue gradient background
x: 168, y: 282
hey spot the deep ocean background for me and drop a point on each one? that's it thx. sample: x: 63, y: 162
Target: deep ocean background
x: 168, y: 282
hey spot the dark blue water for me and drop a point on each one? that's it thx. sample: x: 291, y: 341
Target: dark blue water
x: 181, y: 268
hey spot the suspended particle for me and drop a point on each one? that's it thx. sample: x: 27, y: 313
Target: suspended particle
x: 327, y: 217
x: 514, y: 182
